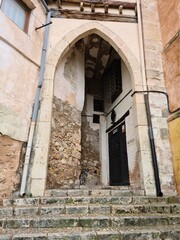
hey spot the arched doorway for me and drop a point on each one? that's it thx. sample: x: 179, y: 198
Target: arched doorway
x: 91, y: 102
x: 59, y: 54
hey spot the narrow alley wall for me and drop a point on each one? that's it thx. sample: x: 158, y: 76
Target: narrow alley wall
x: 65, y: 145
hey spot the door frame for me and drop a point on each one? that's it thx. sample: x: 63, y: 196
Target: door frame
x: 115, y: 125
x: 120, y: 139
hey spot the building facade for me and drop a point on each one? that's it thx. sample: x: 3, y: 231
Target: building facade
x: 171, y: 63
x: 83, y: 102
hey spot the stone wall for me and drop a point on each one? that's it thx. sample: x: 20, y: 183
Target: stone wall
x: 10, y: 150
x: 158, y: 102
x: 65, y: 148
x: 90, y: 159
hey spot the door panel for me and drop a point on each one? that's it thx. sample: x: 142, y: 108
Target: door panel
x: 118, y: 162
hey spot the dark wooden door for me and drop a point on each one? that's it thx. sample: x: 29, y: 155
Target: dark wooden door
x: 118, y: 162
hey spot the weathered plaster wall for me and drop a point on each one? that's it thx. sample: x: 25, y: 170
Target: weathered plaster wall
x: 19, y: 66
x: 169, y: 15
x: 158, y: 102
x: 132, y: 151
x: 18, y: 83
x: 174, y: 132
x: 171, y: 63
x: 10, y: 150
x: 69, y: 81
x: 65, y: 149
x: 20, y: 59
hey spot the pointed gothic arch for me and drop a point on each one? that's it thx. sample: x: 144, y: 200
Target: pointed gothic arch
x: 84, y: 30
x: 45, y: 115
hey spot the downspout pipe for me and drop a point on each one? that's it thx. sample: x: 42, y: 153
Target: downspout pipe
x: 146, y: 100
x: 152, y: 144
x: 45, y: 6
x: 36, y: 105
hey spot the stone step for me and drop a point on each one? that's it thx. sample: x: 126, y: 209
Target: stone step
x: 95, y: 221
x: 112, y: 191
x: 44, y: 210
x: 170, y: 233
x: 89, y: 200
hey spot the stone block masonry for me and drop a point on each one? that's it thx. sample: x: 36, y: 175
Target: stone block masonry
x: 158, y: 102
x: 10, y: 150
x: 90, y: 159
x: 65, y: 149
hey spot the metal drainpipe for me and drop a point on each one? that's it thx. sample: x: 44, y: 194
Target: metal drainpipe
x: 146, y: 100
x: 36, y: 104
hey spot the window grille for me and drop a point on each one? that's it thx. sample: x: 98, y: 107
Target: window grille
x: 116, y: 79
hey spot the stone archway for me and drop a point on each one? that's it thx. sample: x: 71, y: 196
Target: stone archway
x: 41, y: 149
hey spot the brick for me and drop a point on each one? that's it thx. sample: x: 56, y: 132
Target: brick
x: 64, y: 236
x: 31, y: 211
x: 108, y: 235
x: 76, y: 209
x: 75, y: 192
x: 99, y: 209
x: 139, y: 221
x: 54, y: 200
x: 55, y: 210
x: 61, y: 222
x: 18, y: 223
x: 5, y: 237
x: 170, y: 234
x: 26, y: 201
x: 100, y: 192
x: 95, y: 222
x: 6, y: 212
x: 33, y: 236
x: 145, y: 235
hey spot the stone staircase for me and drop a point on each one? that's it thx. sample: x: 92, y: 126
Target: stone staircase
x: 90, y: 214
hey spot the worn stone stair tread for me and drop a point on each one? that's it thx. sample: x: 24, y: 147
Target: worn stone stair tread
x: 171, y: 231
x: 92, y: 205
x: 90, y: 217
x: 121, y: 191
x: 77, y: 215
x: 88, y: 200
x: 84, y: 229
x: 36, y: 200
x: 116, y: 209
x: 97, y: 222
